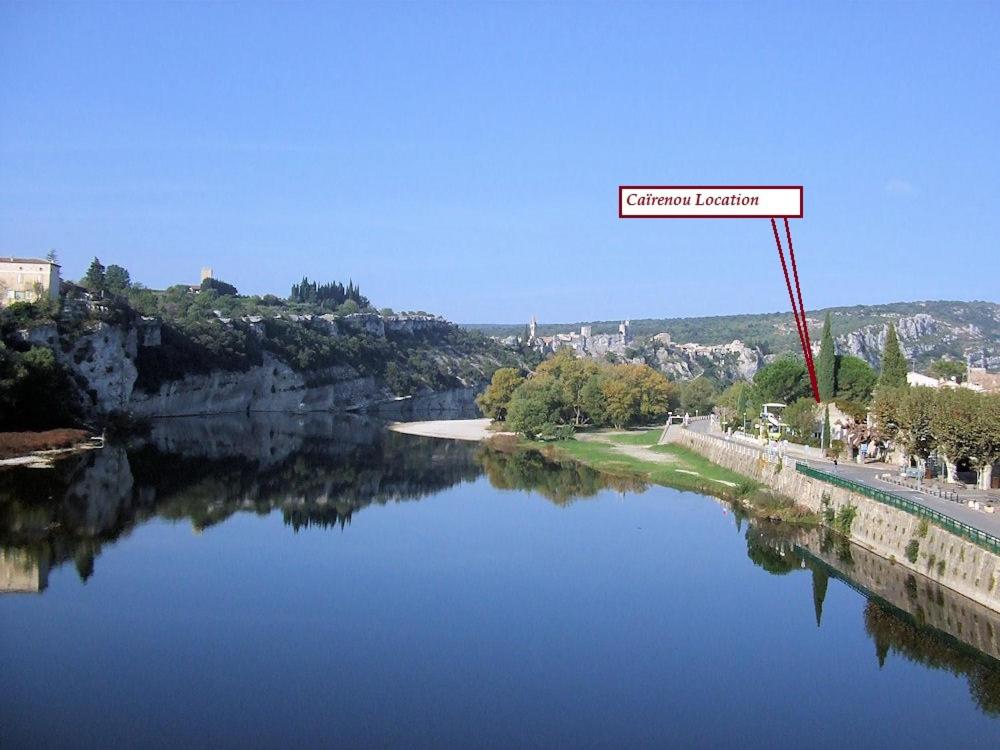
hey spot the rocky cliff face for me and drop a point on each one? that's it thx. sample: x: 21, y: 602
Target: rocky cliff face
x: 102, y: 361
x: 921, y: 336
x: 728, y: 362
x: 271, y: 386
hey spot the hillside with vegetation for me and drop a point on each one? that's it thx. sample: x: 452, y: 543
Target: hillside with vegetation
x: 108, y: 340
x: 928, y: 330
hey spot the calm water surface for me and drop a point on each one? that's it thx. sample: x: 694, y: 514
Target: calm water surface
x: 290, y: 582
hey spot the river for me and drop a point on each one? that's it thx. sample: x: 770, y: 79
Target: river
x: 301, y: 581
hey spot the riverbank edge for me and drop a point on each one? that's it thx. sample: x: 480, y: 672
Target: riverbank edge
x: 734, y: 487
x: 937, y: 554
x: 36, y: 450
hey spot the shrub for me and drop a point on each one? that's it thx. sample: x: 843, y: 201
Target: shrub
x: 912, y: 549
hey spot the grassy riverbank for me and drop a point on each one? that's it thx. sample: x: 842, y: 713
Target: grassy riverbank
x: 636, y: 454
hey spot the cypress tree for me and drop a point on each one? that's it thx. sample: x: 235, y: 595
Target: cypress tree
x: 893, y: 362
x: 826, y: 374
x: 94, y: 278
x: 826, y: 428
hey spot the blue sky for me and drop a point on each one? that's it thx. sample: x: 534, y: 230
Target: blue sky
x: 464, y: 158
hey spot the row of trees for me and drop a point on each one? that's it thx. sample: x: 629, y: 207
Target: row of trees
x: 330, y: 295
x: 566, y: 392
x: 114, y: 279
x: 959, y: 424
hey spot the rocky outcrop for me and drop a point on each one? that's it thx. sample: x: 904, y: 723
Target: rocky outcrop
x: 414, y: 324
x: 920, y: 336
x: 270, y: 387
x: 728, y: 362
x: 105, y: 359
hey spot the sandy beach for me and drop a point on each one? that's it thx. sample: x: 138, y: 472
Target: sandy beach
x: 473, y: 430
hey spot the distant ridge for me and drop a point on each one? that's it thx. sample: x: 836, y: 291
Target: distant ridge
x: 930, y: 329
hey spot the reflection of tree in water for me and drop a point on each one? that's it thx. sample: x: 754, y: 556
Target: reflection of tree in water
x: 48, y: 518
x: 893, y: 632
x: 770, y: 547
x: 562, y: 482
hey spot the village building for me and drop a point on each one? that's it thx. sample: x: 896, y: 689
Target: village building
x: 585, y: 343
x: 27, y: 280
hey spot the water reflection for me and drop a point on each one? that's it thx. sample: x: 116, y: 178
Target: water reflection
x: 320, y: 471
x: 562, y: 482
x: 317, y: 471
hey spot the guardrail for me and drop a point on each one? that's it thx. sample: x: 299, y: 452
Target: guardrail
x: 987, y: 541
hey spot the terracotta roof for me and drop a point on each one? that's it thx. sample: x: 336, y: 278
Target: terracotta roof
x: 8, y: 259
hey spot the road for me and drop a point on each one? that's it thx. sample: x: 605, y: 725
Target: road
x: 868, y: 474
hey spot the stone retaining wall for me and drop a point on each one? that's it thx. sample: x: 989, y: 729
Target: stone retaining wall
x: 942, y: 556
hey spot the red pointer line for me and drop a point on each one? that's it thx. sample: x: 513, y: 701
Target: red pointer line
x: 788, y: 285
x: 800, y: 322
x: 798, y: 291
x: 802, y: 312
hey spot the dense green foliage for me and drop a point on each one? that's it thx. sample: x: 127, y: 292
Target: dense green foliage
x: 800, y: 416
x: 330, y: 295
x: 893, y: 362
x: 698, y: 396
x: 566, y: 391
x: 495, y: 400
x: 783, y: 381
x: 961, y: 424
x: 855, y: 379
x: 948, y: 369
x: 35, y: 392
x: 826, y: 366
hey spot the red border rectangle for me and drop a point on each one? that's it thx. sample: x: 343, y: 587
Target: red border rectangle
x: 799, y: 215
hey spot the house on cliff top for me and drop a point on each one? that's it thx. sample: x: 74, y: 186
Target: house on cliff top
x: 27, y: 280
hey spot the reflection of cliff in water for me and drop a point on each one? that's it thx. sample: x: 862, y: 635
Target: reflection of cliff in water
x: 318, y: 470
x: 906, y: 614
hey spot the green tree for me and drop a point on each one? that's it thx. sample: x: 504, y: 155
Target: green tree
x: 495, y: 400
x: 535, y: 405
x: 736, y: 403
x: 826, y: 368
x: 94, y: 278
x: 987, y: 425
x: 826, y: 427
x: 348, y: 308
x: 956, y: 426
x: 801, y: 416
x: 915, y: 410
x: 784, y: 380
x: 698, y: 396
x: 572, y: 373
x: 592, y: 399
x: 855, y: 379
x: 116, y: 279
x: 636, y: 393
x: 887, y: 409
x: 948, y: 369
x: 893, y: 362
x: 219, y: 286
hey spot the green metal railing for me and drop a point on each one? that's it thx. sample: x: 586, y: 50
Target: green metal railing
x: 983, y: 539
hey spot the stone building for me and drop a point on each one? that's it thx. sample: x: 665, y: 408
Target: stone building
x: 27, y: 280
x: 585, y: 343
